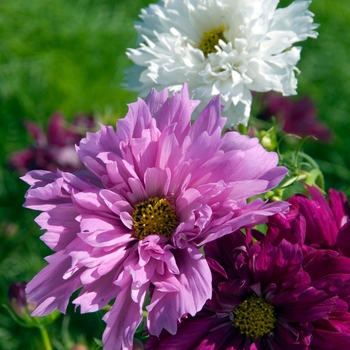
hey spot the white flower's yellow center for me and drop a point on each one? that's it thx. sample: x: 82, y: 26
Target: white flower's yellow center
x: 254, y: 318
x: 154, y: 216
x: 210, y: 39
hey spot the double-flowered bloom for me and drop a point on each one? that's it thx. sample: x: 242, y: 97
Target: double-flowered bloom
x: 131, y: 224
x: 227, y: 47
x: 288, y: 289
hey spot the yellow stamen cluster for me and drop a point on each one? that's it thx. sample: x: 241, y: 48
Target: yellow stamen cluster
x: 254, y: 318
x: 154, y: 216
x: 211, y: 39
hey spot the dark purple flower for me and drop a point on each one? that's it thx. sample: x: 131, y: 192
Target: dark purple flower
x: 262, y: 299
x: 295, y: 116
x: 56, y: 148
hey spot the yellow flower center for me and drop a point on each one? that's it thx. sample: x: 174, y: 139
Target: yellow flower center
x: 154, y: 216
x: 210, y: 39
x: 254, y: 318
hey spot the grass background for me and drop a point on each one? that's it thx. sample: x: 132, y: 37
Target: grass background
x: 69, y: 56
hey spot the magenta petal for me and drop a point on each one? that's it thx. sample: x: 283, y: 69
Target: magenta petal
x: 188, y: 337
x: 303, y: 305
x: 343, y: 240
x: 320, y: 221
x: 339, y: 205
x: 279, y: 265
x: 326, y: 264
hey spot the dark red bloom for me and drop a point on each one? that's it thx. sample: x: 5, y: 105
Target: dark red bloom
x: 56, y: 148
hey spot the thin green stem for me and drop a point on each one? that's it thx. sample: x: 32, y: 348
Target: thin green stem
x: 45, y: 338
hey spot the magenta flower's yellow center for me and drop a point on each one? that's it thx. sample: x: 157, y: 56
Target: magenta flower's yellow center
x: 210, y: 39
x: 254, y: 318
x: 154, y: 216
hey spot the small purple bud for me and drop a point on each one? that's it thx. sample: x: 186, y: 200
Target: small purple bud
x: 18, y: 299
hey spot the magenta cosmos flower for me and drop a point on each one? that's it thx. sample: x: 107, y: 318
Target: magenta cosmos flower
x: 263, y: 298
x: 327, y: 223
x: 322, y: 231
x: 154, y: 191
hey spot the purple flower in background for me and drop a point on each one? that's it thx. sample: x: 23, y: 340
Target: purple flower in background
x: 295, y: 115
x: 53, y: 150
x: 153, y: 193
x: 262, y: 299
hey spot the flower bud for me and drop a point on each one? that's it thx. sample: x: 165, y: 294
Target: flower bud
x: 18, y: 299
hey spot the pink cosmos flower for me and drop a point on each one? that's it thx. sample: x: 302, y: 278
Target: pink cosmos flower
x: 56, y: 148
x: 132, y: 224
x: 268, y: 296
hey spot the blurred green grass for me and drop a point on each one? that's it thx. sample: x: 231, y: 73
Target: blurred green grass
x: 69, y: 56
x: 325, y: 77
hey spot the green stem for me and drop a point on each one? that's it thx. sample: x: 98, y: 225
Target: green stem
x: 320, y: 182
x: 45, y: 338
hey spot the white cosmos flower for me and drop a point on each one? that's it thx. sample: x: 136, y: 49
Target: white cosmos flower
x: 231, y: 47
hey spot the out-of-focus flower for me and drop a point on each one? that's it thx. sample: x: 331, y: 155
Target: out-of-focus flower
x: 153, y: 193
x: 56, y: 148
x: 296, y: 116
x: 264, y: 298
x: 79, y: 347
x: 8, y: 229
x: 227, y: 47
